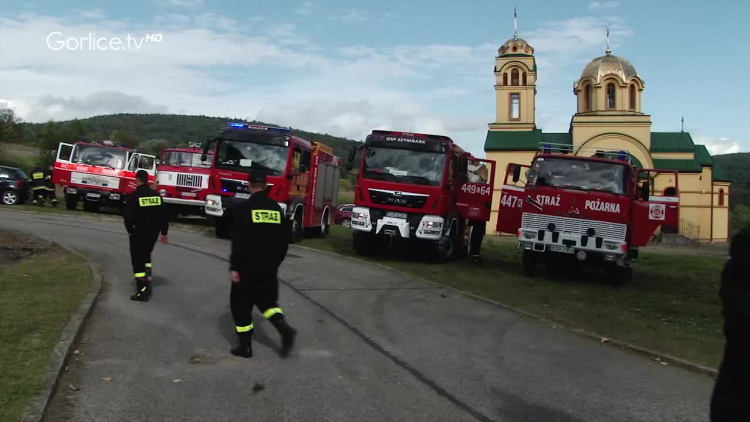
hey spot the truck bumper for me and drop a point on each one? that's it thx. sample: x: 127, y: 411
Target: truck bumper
x: 186, y: 202
x: 403, y: 225
x: 106, y: 198
x: 582, y: 247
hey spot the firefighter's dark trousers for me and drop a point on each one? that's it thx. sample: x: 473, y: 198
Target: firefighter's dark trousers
x: 41, y: 193
x: 477, y: 235
x: 141, y: 246
x: 260, y: 290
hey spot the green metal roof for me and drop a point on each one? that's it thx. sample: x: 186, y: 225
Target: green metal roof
x: 671, y: 142
x: 679, y: 165
x: 527, y: 140
x: 703, y: 156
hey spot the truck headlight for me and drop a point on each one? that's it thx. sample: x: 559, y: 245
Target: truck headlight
x: 114, y: 196
x: 433, y: 225
x: 163, y: 192
x: 359, y: 216
x: 212, y: 202
x: 611, y: 246
x: 528, y: 235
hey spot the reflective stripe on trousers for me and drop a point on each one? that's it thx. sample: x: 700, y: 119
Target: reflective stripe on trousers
x: 271, y: 312
x: 245, y: 328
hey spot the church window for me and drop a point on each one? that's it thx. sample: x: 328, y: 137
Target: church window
x: 515, y: 106
x: 587, y: 97
x: 632, y: 97
x: 505, y: 78
x: 721, y: 197
x: 610, y: 96
x: 514, y: 77
x: 523, y: 79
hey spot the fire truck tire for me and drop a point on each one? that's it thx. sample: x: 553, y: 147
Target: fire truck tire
x: 446, y: 248
x: 221, y: 228
x: 529, y: 263
x: 297, y: 229
x: 90, y: 206
x: 325, y: 226
x: 618, y: 275
x: 71, y: 202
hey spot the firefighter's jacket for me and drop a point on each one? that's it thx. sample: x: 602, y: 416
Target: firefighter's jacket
x: 48, y: 180
x: 38, y: 179
x: 260, y: 237
x: 145, y: 211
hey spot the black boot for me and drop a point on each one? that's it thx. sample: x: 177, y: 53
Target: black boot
x: 142, y: 290
x: 287, y: 333
x: 477, y: 259
x: 245, y: 347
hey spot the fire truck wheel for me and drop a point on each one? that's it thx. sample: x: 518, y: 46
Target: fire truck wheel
x: 618, y: 275
x: 297, y: 229
x: 325, y: 227
x: 90, y: 206
x: 71, y: 202
x: 529, y: 263
x: 221, y: 228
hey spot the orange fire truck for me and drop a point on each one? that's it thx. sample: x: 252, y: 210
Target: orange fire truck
x: 585, y: 206
x: 98, y: 173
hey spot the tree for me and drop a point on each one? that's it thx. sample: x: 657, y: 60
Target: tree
x: 154, y: 146
x: 9, y: 125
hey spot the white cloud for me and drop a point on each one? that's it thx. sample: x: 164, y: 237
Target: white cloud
x: 604, y: 5
x: 186, y: 3
x: 305, y: 8
x: 718, y: 146
x: 350, y: 16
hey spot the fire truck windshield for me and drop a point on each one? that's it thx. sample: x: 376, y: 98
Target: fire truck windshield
x: 184, y: 159
x: 579, y: 174
x: 243, y: 156
x: 95, y: 155
x: 402, y: 166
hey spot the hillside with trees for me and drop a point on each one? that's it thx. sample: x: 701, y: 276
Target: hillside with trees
x: 737, y: 167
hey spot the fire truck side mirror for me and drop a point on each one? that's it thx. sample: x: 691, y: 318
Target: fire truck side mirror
x: 516, y: 173
x: 645, y: 190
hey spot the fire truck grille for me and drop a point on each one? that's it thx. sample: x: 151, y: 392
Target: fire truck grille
x: 189, y: 180
x: 578, y: 226
x: 401, y: 199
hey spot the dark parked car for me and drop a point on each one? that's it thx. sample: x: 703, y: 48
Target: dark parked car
x: 14, y: 186
x: 343, y: 215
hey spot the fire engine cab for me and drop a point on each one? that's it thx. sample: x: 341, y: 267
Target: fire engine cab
x: 576, y: 206
x: 99, y: 174
x: 303, y: 176
x: 183, y: 179
x: 420, y: 191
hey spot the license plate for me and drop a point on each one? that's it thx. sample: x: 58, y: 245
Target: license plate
x: 93, y: 195
x: 561, y: 249
x: 192, y: 195
x: 242, y: 195
x: 401, y: 215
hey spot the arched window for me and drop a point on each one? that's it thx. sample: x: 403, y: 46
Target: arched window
x: 505, y: 78
x: 721, y: 197
x: 610, y: 96
x: 514, y: 77
x: 587, y: 97
x: 523, y: 79
x: 632, y: 97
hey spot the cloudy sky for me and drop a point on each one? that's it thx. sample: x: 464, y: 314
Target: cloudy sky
x: 345, y: 67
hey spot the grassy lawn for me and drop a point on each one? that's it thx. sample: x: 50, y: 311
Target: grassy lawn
x: 38, y: 295
x: 670, y: 306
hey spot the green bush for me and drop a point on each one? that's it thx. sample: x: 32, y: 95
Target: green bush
x: 740, y: 218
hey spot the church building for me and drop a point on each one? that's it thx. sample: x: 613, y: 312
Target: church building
x: 610, y: 115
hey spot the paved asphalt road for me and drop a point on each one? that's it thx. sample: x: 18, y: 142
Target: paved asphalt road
x: 373, y: 346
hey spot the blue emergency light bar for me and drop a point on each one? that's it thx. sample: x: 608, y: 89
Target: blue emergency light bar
x: 257, y: 127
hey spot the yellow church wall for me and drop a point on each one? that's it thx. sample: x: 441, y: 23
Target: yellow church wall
x: 614, y: 141
x: 502, y: 103
x: 641, y: 134
x: 673, y: 155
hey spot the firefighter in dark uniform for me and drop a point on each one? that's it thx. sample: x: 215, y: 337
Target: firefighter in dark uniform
x: 478, y: 230
x: 50, y: 186
x: 38, y: 186
x: 145, y: 215
x: 259, y: 244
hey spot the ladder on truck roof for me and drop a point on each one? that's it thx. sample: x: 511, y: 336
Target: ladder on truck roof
x: 567, y: 149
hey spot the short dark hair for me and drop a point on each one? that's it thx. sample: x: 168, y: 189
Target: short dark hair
x: 257, y: 177
x: 142, y: 175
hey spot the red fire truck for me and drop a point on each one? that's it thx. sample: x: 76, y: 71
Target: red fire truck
x: 580, y: 206
x: 98, y: 173
x: 183, y: 179
x: 418, y: 190
x: 303, y: 176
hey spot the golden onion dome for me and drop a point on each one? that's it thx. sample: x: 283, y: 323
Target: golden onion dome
x: 608, y: 64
